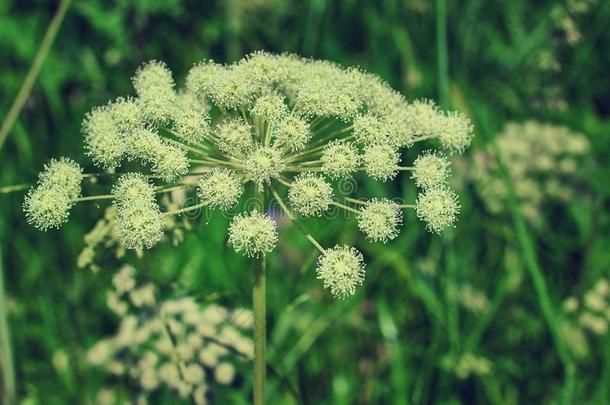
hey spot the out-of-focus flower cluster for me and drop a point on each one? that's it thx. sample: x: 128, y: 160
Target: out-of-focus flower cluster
x: 587, y: 315
x: 467, y: 364
x: 276, y: 127
x: 544, y: 163
x: 175, y: 343
x: 472, y: 299
x: 567, y: 24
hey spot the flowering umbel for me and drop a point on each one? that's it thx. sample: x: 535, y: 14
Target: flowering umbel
x: 274, y: 125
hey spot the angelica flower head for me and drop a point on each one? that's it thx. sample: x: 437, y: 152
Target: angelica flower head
x: 269, y: 126
x: 139, y: 218
x: 234, y: 137
x: 59, y: 186
x: 126, y: 115
x: 104, y: 142
x: 438, y: 207
x: 310, y: 194
x: 220, y: 188
x: 47, y: 208
x: 63, y: 174
x: 370, y: 130
x: 253, y: 233
x: 292, y: 132
x: 340, y: 159
x: 380, y: 220
x: 381, y: 162
x: 269, y: 108
x: 154, y: 86
x: 341, y: 270
x: 430, y: 169
x: 263, y: 164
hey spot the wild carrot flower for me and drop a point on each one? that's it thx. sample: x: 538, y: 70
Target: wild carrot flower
x: 277, y: 126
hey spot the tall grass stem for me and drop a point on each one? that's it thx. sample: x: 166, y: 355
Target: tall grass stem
x: 442, y: 53
x: 7, y: 370
x: 30, y: 78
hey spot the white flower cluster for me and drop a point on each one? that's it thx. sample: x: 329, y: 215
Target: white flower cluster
x: 468, y: 364
x: 268, y: 125
x: 177, y: 343
x: 59, y: 184
x: 543, y: 161
x: 589, y: 313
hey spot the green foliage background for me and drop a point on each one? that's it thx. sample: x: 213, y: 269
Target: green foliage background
x: 390, y: 343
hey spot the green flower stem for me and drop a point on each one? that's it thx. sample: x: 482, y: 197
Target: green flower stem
x: 167, y: 189
x: 345, y: 207
x: 309, y: 151
x: 260, y: 313
x: 324, y: 127
x: 283, y: 181
x: 7, y: 369
x: 216, y: 162
x: 32, y: 74
x: 311, y: 162
x: 355, y: 201
x: 13, y: 188
x: 172, y: 340
x: 296, y: 169
x: 195, y: 151
x: 293, y: 219
x: 199, y: 150
x: 94, y: 198
x: 442, y: 52
x: 537, y: 276
x: 183, y: 210
x: 199, y: 146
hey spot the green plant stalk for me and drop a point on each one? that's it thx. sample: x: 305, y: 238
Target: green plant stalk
x: 531, y: 263
x: 232, y: 44
x: 453, y: 322
x: 32, y: 74
x: 259, y: 310
x: 542, y: 293
x: 7, y: 370
x: 442, y: 53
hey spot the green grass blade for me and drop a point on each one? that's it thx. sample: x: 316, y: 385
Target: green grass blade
x: 7, y: 371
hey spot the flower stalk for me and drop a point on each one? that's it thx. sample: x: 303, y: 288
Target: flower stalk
x: 260, y: 314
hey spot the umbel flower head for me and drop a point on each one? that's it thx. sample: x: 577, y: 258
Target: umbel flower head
x: 276, y: 127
